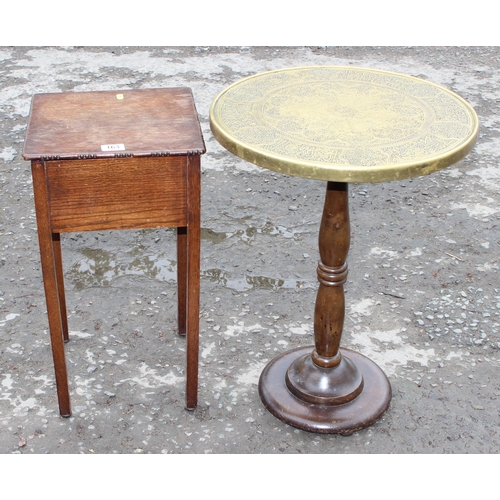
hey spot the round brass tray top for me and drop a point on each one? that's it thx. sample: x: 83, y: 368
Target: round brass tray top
x: 343, y: 124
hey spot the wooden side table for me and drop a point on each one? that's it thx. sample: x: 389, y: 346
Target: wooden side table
x: 116, y: 160
x: 340, y: 125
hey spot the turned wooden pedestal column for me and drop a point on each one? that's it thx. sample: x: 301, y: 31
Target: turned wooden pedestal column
x: 341, y: 125
x: 324, y: 388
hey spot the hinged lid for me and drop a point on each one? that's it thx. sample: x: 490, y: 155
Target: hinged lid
x: 107, y: 124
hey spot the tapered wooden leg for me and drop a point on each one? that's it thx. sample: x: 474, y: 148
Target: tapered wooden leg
x: 50, y: 281
x: 327, y: 389
x: 56, y: 242
x: 193, y: 281
x: 181, y: 278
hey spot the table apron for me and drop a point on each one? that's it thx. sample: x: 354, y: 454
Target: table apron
x: 111, y: 194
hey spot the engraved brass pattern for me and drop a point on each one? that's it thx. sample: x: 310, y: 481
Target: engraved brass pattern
x: 344, y: 124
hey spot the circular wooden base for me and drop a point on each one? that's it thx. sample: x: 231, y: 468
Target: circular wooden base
x: 344, y: 418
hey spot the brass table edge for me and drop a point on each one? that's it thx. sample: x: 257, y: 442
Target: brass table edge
x: 342, y: 173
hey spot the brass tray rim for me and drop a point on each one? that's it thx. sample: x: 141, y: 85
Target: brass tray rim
x: 342, y: 173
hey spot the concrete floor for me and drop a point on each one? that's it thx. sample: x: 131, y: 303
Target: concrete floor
x: 423, y: 293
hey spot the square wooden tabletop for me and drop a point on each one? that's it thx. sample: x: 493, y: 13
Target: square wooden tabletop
x: 121, y: 123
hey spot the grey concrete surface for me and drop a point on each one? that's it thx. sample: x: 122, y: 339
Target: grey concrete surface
x: 423, y: 293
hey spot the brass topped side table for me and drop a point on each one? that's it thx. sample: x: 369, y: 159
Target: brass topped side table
x: 115, y: 160
x: 340, y: 125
